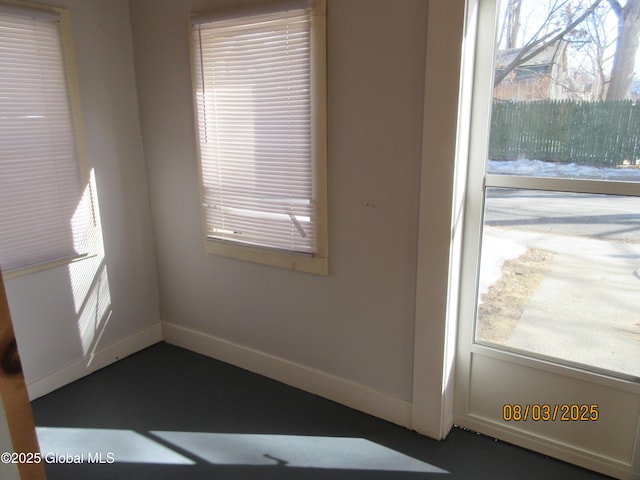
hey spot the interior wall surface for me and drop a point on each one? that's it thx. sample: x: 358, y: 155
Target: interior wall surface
x: 357, y: 323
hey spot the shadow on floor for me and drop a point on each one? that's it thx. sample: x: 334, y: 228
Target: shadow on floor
x: 168, y: 413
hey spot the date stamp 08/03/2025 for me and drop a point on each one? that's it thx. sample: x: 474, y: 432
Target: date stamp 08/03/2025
x: 566, y: 412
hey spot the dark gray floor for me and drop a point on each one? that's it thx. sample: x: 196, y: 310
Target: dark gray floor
x: 255, y: 428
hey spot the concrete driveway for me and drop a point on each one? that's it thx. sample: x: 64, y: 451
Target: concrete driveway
x: 587, y: 308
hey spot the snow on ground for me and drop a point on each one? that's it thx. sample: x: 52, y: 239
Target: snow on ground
x: 538, y: 168
x: 495, y: 251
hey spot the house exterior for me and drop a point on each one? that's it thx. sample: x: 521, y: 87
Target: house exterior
x: 542, y: 77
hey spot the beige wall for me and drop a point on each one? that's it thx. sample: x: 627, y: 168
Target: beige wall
x: 357, y: 323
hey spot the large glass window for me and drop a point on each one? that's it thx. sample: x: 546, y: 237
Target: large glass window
x: 560, y: 262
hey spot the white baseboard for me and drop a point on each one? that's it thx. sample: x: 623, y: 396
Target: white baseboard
x: 100, y: 359
x: 343, y: 391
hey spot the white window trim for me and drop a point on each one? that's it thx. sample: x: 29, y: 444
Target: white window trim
x: 66, y: 37
x: 317, y: 262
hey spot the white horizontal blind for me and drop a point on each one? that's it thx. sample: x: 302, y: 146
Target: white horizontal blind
x: 253, y: 101
x: 41, y: 218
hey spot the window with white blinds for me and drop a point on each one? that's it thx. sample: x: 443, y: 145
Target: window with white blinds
x: 41, y: 219
x: 257, y: 129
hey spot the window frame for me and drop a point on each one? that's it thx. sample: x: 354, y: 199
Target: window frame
x: 471, y: 356
x: 316, y: 262
x: 75, y: 108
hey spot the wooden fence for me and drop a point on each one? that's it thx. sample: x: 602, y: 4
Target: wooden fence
x: 591, y: 133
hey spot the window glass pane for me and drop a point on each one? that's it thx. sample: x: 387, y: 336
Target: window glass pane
x: 560, y: 271
x: 566, y: 89
x: 560, y: 277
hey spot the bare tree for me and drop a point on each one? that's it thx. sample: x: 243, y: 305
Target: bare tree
x: 600, y: 47
x: 513, y: 22
x: 626, y: 49
x: 591, y: 48
x: 544, y: 37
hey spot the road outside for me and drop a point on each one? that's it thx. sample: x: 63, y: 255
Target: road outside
x: 602, y: 217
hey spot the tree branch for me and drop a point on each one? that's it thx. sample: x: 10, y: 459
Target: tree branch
x: 616, y: 7
x: 532, y: 49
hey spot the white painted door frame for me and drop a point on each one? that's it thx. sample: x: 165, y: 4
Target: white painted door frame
x: 449, y: 41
